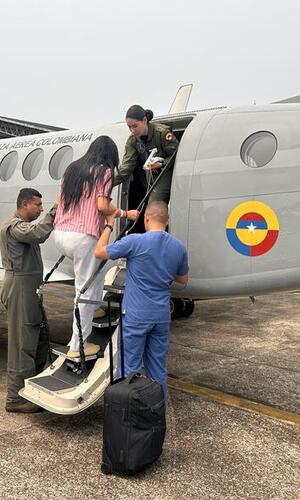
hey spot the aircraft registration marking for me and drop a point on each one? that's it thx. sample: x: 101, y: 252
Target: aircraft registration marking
x: 252, y: 228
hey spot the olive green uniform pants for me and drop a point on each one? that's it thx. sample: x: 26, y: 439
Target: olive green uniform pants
x: 27, y: 344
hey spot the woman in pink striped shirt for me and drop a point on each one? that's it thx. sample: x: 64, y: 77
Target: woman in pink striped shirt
x: 80, y: 218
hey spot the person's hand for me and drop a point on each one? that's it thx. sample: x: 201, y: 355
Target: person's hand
x: 110, y: 219
x: 132, y: 214
x: 153, y: 165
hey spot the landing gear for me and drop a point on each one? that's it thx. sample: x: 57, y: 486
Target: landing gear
x: 189, y: 306
x: 181, y: 308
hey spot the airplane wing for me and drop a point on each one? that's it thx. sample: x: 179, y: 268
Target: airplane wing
x: 296, y: 98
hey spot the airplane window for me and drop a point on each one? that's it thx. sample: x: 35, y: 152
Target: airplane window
x: 8, y: 165
x: 258, y: 149
x: 33, y: 164
x: 60, y: 161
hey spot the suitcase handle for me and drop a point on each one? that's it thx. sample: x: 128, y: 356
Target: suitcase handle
x: 131, y: 376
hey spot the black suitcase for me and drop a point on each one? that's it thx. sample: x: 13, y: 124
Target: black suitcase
x: 134, y: 423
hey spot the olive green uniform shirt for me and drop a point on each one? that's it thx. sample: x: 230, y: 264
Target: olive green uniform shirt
x: 19, y: 242
x: 137, y: 150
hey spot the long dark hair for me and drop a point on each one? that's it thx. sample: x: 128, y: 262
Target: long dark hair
x: 84, y: 172
x: 136, y: 112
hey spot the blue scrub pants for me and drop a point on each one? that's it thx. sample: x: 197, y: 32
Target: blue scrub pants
x: 146, y: 344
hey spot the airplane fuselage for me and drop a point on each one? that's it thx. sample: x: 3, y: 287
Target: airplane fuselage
x: 235, y: 192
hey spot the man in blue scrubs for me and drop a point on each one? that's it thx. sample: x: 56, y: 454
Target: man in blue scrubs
x: 154, y: 260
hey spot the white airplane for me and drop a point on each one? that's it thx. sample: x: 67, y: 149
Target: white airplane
x: 235, y: 204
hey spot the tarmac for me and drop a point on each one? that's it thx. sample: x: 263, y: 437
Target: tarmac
x: 213, y: 450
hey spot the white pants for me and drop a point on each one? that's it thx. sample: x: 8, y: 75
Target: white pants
x: 79, y: 247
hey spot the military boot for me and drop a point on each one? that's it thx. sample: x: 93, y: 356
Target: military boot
x: 25, y: 407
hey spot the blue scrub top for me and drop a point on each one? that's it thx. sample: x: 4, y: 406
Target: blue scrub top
x: 153, y: 260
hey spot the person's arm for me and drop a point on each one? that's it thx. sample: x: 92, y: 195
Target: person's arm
x: 120, y: 248
x: 104, y: 203
x: 108, y: 208
x: 30, y: 232
x: 182, y: 272
x: 182, y: 279
x: 169, y: 143
x: 169, y: 146
x: 100, y: 250
x: 129, y: 162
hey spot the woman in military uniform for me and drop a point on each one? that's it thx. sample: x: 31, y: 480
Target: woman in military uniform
x: 144, y: 137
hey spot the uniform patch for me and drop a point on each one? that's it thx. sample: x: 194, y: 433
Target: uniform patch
x: 252, y: 228
x: 169, y: 136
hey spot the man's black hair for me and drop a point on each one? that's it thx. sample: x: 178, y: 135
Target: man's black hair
x: 27, y: 194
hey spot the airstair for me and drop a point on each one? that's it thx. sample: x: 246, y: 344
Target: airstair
x: 66, y: 386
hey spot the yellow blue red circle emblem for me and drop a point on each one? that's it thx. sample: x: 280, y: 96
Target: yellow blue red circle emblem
x: 252, y: 228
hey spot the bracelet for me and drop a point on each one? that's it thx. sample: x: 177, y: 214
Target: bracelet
x: 123, y: 214
x: 110, y: 227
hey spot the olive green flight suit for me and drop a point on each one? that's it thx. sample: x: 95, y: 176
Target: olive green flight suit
x: 136, y: 153
x: 21, y: 259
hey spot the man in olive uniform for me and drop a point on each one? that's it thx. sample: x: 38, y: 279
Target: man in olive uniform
x: 144, y: 137
x: 21, y: 259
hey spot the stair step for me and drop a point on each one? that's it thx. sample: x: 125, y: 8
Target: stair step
x: 63, y: 379
x: 118, y: 290
x: 62, y: 351
x: 103, y: 323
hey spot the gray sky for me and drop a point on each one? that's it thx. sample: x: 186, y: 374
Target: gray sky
x: 82, y: 63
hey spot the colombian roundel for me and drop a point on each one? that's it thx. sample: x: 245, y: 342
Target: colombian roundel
x: 252, y: 228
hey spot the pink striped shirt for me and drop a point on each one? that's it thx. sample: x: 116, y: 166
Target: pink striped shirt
x: 85, y: 217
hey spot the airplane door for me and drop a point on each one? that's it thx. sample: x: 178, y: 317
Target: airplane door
x: 183, y: 177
